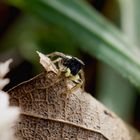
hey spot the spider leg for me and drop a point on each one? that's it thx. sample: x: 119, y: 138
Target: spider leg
x: 56, y: 54
x: 68, y: 72
x: 77, y: 86
x: 79, y: 81
x: 57, y: 60
x: 59, y: 65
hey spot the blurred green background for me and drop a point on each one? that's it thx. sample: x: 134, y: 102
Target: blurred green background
x: 102, y: 33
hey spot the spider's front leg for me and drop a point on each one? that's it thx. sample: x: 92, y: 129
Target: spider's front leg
x: 56, y: 54
x: 79, y: 81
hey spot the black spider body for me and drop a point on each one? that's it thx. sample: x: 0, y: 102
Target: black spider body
x: 73, y: 63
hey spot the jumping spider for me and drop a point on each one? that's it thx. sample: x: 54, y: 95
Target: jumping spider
x: 72, y: 67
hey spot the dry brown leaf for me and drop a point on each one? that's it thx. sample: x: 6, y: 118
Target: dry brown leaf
x: 49, y: 112
x: 46, y: 63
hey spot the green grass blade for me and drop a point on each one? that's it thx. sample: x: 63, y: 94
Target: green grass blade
x: 116, y: 92
x: 94, y: 34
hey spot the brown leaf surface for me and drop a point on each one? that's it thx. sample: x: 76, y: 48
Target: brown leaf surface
x: 51, y: 112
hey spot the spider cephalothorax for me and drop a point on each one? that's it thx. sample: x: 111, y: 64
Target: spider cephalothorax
x: 73, y: 63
